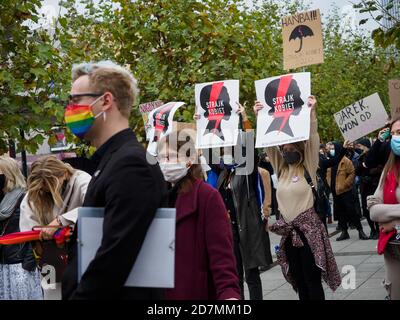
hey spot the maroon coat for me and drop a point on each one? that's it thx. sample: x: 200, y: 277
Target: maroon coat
x: 205, y: 266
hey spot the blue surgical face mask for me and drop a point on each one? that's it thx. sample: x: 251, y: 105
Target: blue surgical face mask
x: 332, y: 152
x: 395, y: 145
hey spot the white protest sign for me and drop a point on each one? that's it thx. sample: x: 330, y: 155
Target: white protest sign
x: 361, y: 118
x: 145, y: 109
x: 160, y: 121
x: 285, y: 117
x: 216, y: 105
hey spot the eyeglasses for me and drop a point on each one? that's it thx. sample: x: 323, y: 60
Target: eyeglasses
x: 72, y: 98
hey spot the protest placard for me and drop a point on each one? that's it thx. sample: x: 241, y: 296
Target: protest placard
x: 160, y: 121
x: 145, y: 109
x: 361, y: 117
x: 302, y: 40
x: 216, y: 103
x: 285, y: 117
x: 394, y: 95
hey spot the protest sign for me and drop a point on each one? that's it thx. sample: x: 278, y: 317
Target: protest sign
x: 361, y: 118
x: 145, y: 109
x: 285, y: 117
x: 160, y: 121
x: 394, y: 95
x: 302, y: 40
x: 216, y: 103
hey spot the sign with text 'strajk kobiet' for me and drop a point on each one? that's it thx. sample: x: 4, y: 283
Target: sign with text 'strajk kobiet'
x: 285, y: 117
x: 160, y: 121
x: 216, y: 104
x: 302, y: 40
x: 361, y: 118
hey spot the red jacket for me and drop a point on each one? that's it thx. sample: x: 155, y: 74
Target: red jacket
x: 205, y: 265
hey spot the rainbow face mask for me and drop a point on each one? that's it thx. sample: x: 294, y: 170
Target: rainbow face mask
x: 79, y: 118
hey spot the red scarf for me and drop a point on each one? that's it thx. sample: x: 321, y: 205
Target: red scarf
x: 389, y: 197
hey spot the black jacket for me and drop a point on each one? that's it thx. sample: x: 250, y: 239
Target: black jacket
x: 131, y: 190
x: 378, y: 155
x: 17, y: 253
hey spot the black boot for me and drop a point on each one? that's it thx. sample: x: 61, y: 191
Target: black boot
x: 343, y: 236
x: 362, y: 235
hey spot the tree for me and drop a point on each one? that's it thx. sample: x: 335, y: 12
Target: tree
x: 29, y: 77
x: 385, y: 35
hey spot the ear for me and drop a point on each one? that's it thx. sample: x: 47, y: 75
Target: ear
x: 108, y: 100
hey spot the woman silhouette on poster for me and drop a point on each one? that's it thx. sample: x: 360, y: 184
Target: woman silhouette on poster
x: 215, y: 101
x: 284, y: 97
x: 160, y: 121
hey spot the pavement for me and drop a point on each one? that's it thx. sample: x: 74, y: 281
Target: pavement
x: 359, y: 257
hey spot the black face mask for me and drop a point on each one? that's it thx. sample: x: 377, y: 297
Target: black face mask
x: 291, y: 157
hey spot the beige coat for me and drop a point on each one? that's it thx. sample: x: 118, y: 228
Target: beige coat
x: 75, y: 194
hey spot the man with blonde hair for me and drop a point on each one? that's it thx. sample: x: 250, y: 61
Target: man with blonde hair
x: 124, y: 182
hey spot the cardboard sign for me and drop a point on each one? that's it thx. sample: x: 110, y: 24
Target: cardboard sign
x: 145, y: 109
x: 361, y: 118
x: 160, y: 121
x: 394, y: 95
x: 285, y: 117
x: 216, y: 103
x: 302, y: 40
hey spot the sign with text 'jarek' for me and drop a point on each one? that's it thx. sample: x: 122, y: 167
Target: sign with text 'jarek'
x: 361, y: 118
x: 302, y: 40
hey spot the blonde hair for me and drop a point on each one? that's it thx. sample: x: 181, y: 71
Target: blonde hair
x: 107, y: 76
x: 44, y: 186
x: 14, y: 178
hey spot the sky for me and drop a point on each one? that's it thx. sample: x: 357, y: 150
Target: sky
x: 50, y: 9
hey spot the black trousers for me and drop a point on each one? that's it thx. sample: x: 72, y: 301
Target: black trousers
x: 252, y: 275
x: 304, y: 271
x: 365, y: 192
x: 346, y: 211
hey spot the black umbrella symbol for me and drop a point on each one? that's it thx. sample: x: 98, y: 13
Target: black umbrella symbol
x: 300, y: 32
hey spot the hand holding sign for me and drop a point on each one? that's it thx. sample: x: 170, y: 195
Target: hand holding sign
x: 285, y: 118
x: 217, y: 119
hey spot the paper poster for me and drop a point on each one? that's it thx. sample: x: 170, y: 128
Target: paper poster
x: 155, y: 264
x: 160, y: 121
x: 285, y: 117
x: 302, y: 40
x: 361, y: 118
x: 394, y: 95
x: 145, y: 109
x: 216, y: 103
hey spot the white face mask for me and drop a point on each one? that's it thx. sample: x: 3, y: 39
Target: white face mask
x: 173, y: 172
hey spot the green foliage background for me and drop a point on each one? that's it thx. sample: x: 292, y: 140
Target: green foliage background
x: 170, y: 45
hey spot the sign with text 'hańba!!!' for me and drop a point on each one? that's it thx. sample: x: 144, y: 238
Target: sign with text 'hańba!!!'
x: 394, y: 95
x: 361, y: 118
x: 216, y: 103
x: 302, y: 40
x: 285, y: 117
